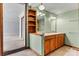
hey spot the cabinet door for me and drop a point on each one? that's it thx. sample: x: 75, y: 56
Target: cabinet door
x: 59, y: 40
x: 52, y: 44
x: 46, y: 46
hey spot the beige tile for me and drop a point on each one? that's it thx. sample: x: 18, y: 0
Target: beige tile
x: 63, y: 51
x: 27, y: 52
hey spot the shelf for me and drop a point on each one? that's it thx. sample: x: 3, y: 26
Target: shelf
x: 30, y: 15
x: 31, y: 25
x: 31, y: 21
x: 32, y: 10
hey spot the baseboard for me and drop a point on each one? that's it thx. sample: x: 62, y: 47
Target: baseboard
x: 14, y: 51
x: 76, y: 48
x: 28, y: 47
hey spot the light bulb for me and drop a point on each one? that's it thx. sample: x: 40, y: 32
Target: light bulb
x: 41, y: 7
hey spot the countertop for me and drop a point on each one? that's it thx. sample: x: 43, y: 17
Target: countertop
x: 46, y: 34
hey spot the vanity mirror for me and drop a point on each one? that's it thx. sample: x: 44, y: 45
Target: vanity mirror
x: 46, y: 22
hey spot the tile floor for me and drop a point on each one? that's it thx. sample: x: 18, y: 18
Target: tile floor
x: 63, y: 51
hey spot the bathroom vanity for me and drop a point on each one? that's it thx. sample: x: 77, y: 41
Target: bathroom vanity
x: 45, y: 43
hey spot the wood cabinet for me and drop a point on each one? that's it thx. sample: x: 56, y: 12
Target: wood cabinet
x: 59, y: 40
x: 31, y: 21
x: 53, y: 42
x: 47, y: 46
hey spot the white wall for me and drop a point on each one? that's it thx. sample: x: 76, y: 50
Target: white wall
x: 68, y: 23
x: 11, y: 19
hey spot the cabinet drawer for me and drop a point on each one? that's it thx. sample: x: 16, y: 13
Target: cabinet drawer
x: 60, y: 35
x: 49, y: 37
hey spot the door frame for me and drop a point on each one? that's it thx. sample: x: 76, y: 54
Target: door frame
x: 1, y: 29
x: 22, y: 48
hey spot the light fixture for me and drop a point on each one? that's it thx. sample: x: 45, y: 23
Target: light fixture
x: 40, y: 14
x: 52, y: 17
x: 41, y: 7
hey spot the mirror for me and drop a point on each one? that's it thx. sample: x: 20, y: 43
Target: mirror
x: 41, y: 23
x: 46, y: 22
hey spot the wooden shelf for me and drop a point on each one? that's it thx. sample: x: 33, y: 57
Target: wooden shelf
x: 31, y: 25
x: 32, y: 10
x: 31, y: 21
x: 32, y: 15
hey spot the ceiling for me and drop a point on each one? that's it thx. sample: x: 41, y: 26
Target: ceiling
x: 58, y: 8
